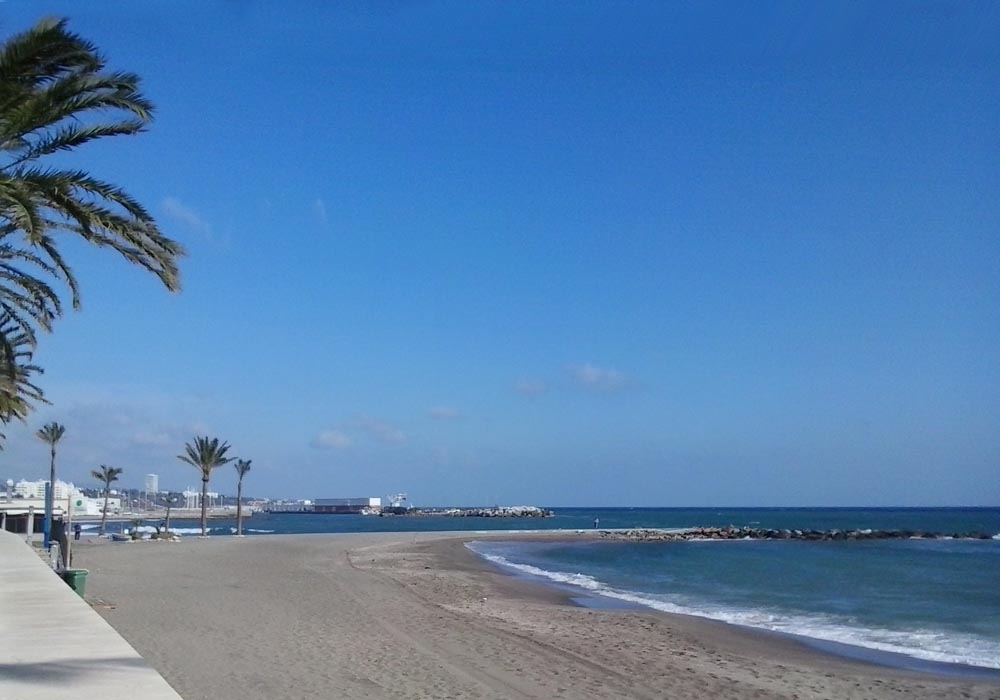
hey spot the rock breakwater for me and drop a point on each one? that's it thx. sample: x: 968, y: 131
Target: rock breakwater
x: 753, y: 533
x: 495, y: 512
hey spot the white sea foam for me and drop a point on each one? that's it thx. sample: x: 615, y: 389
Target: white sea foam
x: 149, y: 530
x: 925, y: 644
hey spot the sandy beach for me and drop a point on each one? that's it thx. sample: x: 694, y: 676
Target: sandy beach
x: 419, y: 616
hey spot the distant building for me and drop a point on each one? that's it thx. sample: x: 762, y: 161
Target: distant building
x: 152, y: 483
x: 36, y: 489
x: 67, y: 496
x: 192, y: 498
x: 289, y: 507
x: 340, y: 506
x: 347, y: 505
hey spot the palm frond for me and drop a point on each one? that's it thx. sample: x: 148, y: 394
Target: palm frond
x: 242, y: 467
x: 68, y: 137
x: 18, y: 393
x: 51, y: 433
x: 206, y: 454
x: 56, y: 95
x: 107, y: 475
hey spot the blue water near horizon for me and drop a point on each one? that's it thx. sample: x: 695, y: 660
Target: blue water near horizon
x: 937, y: 600
x: 944, y: 520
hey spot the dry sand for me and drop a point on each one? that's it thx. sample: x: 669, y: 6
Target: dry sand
x: 418, y: 616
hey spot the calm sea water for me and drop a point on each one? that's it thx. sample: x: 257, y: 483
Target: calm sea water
x: 937, y: 600
x: 927, y: 519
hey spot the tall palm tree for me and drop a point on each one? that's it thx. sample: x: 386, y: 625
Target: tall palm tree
x: 50, y: 433
x: 106, y: 475
x: 205, y: 454
x: 242, y: 467
x: 56, y: 94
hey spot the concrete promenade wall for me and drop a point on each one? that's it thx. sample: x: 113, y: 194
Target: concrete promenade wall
x: 54, y: 646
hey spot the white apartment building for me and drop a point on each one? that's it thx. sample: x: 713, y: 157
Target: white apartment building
x: 33, y: 493
x: 152, y: 483
x: 36, y: 489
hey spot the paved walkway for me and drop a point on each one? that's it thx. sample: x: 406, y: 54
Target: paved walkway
x: 54, y: 646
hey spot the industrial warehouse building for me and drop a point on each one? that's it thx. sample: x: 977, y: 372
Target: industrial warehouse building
x: 335, y: 506
x: 347, y: 505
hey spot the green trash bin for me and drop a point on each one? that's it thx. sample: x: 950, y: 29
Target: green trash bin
x: 77, y: 580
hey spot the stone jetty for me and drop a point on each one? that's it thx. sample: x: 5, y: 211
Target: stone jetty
x: 752, y: 533
x: 494, y: 512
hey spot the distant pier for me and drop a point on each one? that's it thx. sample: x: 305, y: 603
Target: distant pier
x: 494, y: 512
x: 752, y: 533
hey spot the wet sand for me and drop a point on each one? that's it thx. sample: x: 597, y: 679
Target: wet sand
x: 404, y: 615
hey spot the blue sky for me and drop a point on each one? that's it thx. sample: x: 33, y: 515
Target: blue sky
x: 554, y: 253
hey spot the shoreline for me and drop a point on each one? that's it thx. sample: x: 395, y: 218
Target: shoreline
x: 420, y: 615
x: 899, y: 661
x: 890, y: 660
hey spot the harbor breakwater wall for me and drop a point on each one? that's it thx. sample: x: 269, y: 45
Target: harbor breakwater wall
x: 751, y: 533
x: 496, y: 512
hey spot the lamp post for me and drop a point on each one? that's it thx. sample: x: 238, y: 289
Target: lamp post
x: 50, y: 505
x: 30, y: 526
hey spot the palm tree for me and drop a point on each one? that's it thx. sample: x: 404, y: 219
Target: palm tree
x: 50, y: 433
x: 171, y: 500
x: 56, y: 95
x: 106, y: 475
x: 205, y: 454
x: 242, y: 467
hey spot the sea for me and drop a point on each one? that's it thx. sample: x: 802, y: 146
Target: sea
x: 912, y: 603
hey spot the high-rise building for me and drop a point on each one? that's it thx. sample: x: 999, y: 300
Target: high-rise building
x: 152, y: 483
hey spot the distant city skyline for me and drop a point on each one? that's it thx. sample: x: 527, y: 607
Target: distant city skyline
x: 650, y: 254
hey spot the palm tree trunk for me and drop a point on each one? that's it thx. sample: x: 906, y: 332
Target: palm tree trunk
x: 104, y: 513
x: 204, y: 507
x: 239, y: 507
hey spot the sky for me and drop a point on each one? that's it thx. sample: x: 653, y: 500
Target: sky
x: 624, y: 253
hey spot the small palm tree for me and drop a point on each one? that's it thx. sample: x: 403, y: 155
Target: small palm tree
x: 106, y: 475
x: 205, y: 454
x: 171, y: 500
x: 242, y: 467
x: 51, y: 433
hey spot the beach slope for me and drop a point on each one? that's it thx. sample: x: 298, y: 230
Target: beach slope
x: 419, y: 616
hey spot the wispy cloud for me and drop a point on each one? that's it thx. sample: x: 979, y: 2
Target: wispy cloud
x: 332, y: 439
x: 154, y: 438
x: 124, y: 427
x: 319, y: 210
x: 595, y: 378
x: 530, y: 387
x: 443, y: 412
x: 358, y: 430
x: 379, y: 430
x: 185, y: 215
